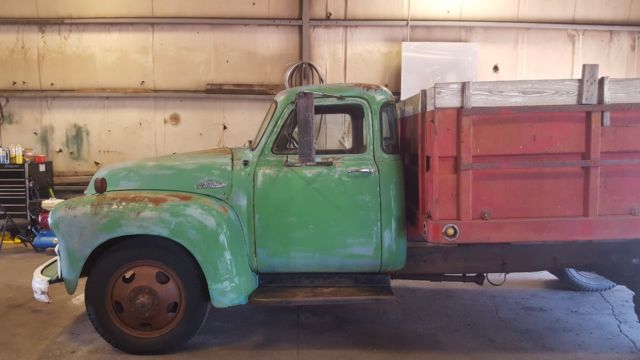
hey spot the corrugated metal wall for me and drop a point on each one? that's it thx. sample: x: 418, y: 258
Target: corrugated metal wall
x: 78, y: 133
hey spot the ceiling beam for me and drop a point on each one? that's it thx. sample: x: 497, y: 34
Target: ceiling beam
x: 126, y: 93
x: 314, y: 23
x: 150, y: 21
x: 479, y: 24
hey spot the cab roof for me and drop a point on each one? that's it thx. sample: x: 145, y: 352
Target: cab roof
x: 368, y: 91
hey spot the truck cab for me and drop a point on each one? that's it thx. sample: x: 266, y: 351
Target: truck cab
x: 318, y: 191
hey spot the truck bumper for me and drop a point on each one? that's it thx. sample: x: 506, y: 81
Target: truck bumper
x: 46, y: 274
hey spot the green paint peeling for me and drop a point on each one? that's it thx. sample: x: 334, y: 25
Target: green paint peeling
x: 240, y: 211
x: 206, y: 172
x: 206, y: 227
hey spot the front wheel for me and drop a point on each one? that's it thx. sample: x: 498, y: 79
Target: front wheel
x: 584, y: 281
x: 146, y: 296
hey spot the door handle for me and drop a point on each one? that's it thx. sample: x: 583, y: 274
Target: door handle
x: 361, y: 171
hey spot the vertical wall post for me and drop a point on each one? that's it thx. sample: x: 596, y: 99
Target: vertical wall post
x: 305, y: 31
x: 305, y: 38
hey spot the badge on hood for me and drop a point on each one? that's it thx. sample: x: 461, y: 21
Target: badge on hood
x: 209, y: 184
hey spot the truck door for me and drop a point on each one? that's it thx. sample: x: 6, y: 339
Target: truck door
x: 323, y: 217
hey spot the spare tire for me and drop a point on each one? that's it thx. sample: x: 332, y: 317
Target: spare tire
x: 584, y: 281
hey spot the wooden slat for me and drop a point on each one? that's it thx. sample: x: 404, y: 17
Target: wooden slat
x: 624, y: 91
x: 467, y: 98
x: 446, y: 95
x: 434, y: 166
x: 430, y: 102
x: 423, y: 128
x: 465, y: 177
x: 485, y: 94
x: 509, y: 93
x: 537, y: 164
x: 593, y: 149
x: 589, y: 84
x: 552, y: 109
x: 605, y: 98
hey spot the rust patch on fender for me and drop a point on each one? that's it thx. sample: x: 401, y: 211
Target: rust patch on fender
x: 180, y: 197
x: 155, y: 200
x: 107, y: 200
x: 224, y: 210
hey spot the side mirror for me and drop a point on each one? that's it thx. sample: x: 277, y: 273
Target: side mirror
x: 305, y: 116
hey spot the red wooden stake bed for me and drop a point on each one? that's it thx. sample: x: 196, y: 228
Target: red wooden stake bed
x: 523, y: 161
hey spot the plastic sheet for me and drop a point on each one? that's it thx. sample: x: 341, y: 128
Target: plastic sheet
x: 427, y: 63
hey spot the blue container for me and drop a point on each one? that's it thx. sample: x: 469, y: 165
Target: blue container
x: 45, y: 239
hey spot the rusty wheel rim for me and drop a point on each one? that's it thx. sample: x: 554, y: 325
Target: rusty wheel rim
x: 145, y: 299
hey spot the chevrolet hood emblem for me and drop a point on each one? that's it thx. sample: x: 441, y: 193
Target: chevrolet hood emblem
x: 209, y: 184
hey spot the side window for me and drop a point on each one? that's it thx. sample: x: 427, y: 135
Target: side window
x: 389, y: 129
x: 339, y: 129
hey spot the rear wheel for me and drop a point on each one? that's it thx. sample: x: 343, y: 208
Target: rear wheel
x: 584, y: 281
x: 146, y: 296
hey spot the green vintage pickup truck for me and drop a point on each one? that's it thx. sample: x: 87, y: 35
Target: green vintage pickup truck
x: 312, y: 211
x: 160, y: 239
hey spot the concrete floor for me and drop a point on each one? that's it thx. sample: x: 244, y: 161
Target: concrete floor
x: 531, y: 317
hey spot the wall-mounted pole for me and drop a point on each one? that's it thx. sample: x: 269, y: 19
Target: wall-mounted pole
x: 315, y: 23
x: 305, y: 31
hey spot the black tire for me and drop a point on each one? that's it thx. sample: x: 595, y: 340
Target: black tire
x: 583, y: 281
x: 115, y: 321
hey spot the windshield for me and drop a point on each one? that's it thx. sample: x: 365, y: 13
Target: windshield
x: 263, y: 126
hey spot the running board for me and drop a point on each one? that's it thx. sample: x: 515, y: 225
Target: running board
x: 321, y: 289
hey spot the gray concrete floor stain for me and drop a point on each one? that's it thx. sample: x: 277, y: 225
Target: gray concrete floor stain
x: 531, y: 317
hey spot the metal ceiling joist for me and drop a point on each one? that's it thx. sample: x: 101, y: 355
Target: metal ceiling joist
x: 149, y: 21
x: 480, y: 24
x: 313, y: 23
x: 158, y: 94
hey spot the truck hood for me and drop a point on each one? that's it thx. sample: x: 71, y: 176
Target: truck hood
x: 205, y: 172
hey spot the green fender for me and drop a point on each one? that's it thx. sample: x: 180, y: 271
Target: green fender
x: 207, y: 227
